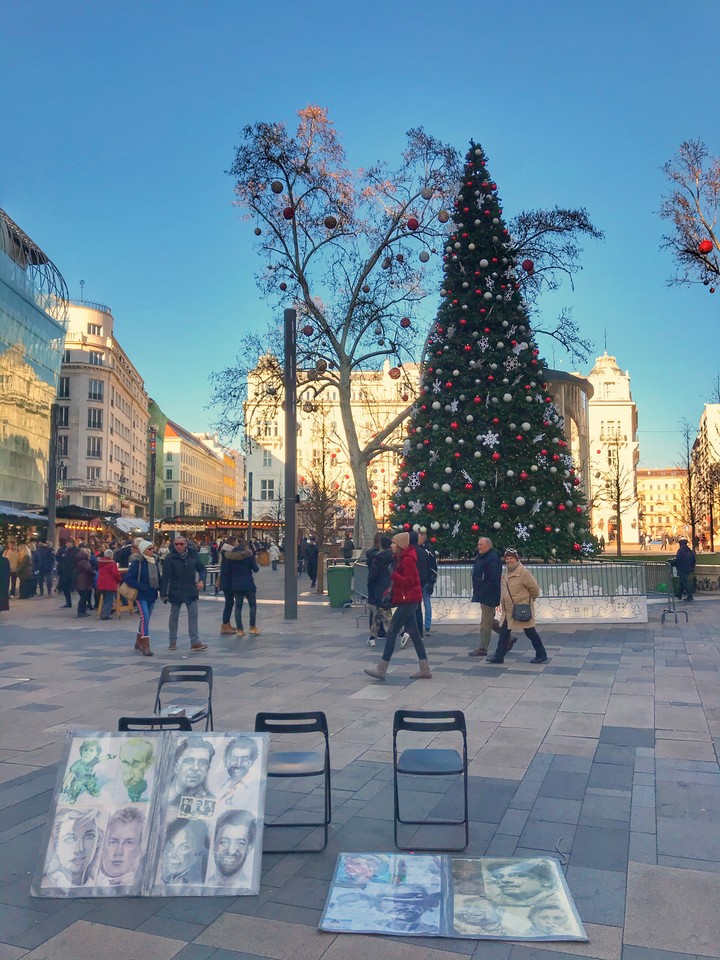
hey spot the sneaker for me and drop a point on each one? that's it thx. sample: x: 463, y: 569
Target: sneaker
x: 539, y: 660
x: 493, y: 660
x: 239, y: 633
x: 255, y: 632
x: 172, y: 645
x: 404, y: 639
x: 427, y: 630
x: 371, y: 641
x: 198, y: 646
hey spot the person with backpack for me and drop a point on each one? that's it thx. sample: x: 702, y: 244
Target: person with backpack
x: 379, y: 566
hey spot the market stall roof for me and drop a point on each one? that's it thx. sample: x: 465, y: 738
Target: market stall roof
x: 74, y: 512
x: 128, y: 524
x: 14, y: 514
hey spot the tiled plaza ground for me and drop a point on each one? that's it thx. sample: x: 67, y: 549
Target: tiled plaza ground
x: 607, y: 755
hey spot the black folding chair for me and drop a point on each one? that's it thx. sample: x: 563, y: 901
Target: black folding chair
x: 193, y: 708
x: 299, y: 763
x: 430, y: 762
x: 148, y: 724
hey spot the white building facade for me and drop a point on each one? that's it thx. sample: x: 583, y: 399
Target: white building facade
x: 233, y: 473
x: 103, y: 418
x: 614, y: 452
x: 194, y: 475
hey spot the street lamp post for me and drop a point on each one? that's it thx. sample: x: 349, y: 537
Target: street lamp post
x: 52, y: 474
x: 290, y: 320
x: 153, y: 469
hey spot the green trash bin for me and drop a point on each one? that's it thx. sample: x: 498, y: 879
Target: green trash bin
x: 339, y: 585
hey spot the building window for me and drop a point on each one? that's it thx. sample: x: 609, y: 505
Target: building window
x: 270, y: 428
x: 267, y: 458
x: 92, y: 473
x: 267, y: 489
x: 63, y: 417
x: 66, y: 356
x: 95, y: 418
x: 61, y: 473
x: 168, y: 493
x: 94, y: 329
x: 94, y: 446
x: 62, y: 445
x: 168, y: 475
x: 96, y: 390
x: 168, y: 457
x: 91, y: 503
x: 64, y: 388
x: 95, y: 357
x: 169, y: 510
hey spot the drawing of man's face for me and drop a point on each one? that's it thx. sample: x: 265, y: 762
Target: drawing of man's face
x: 239, y: 758
x: 482, y: 913
x: 191, y: 768
x: 550, y: 919
x: 516, y: 883
x: 361, y: 869
x: 135, y: 758
x: 232, y: 843
x: 123, y: 845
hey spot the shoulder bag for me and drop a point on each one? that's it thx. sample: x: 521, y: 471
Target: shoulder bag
x: 522, y: 612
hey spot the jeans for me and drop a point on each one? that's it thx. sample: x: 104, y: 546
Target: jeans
x: 404, y: 616
x: 108, y: 596
x: 145, y: 609
x: 251, y: 598
x: 192, y: 609
x: 427, y: 603
x: 45, y: 580
x: 530, y: 632
x: 274, y: 564
x: 227, y: 609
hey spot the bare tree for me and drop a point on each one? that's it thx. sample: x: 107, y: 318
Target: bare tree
x: 350, y: 251
x: 692, y: 207
x: 617, y: 486
x: 691, y: 479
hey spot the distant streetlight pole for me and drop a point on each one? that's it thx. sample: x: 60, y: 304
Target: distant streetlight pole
x: 153, y: 470
x: 290, y: 465
x: 52, y: 474
x: 250, y: 506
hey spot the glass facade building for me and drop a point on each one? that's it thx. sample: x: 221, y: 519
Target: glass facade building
x: 33, y: 311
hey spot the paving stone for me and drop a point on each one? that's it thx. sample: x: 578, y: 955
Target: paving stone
x: 601, y: 847
x: 599, y: 894
x: 627, y: 736
x: 596, y: 807
x: 688, y: 801
x: 267, y: 938
x: 564, y: 786
x: 90, y: 941
x: 556, y: 810
x: 683, y: 838
x: 195, y: 951
x: 642, y: 953
x: 643, y: 847
x: 658, y: 919
x: 611, y: 776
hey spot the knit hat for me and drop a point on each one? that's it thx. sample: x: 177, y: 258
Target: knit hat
x: 402, y: 540
x: 143, y: 545
x: 512, y: 552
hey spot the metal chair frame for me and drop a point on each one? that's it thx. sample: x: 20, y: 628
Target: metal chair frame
x: 191, y: 674
x: 154, y: 724
x: 430, y: 721
x: 299, y: 763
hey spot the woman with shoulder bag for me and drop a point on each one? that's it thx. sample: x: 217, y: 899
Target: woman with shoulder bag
x: 518, y: 591
x: 143, y: 576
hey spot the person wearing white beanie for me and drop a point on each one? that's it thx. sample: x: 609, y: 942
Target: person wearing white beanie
x: 143, y: 576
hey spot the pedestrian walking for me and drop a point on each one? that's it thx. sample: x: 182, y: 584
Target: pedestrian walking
x: 684, y: 563
x: 65, y: 558
x: 108, y: 580
x: 84, y: 579
x: 25, y: 572
x: 274, y: 552
x: 406, y: 594
x: 311, y: 560
x: 46, y: 565
x: 486, y: 577
x: 348, y: 549
x: 236, y: 571
x: 11, y: 555
x: 518, y: 588
x: 224, y: 583
x: 379, y: 597
x: 143, y: 576
x: 4, y: 582
x: 183, y: 577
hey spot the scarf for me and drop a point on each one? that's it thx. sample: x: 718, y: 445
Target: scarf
x: 153, y: 578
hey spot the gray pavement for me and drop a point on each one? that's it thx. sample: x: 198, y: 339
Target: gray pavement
x: 605, y: 756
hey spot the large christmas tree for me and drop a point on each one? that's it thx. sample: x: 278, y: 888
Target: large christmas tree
x: 486, y: 452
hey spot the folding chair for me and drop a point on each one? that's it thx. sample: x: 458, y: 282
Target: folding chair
x: 148, y: 724
x: 430, y: 762
x: 191, y: 707
x: 299, y: 763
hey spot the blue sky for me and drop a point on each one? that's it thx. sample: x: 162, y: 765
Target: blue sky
x: 119, y: 120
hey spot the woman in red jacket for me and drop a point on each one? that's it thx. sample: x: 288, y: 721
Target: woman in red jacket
x: 108, y: 580
x: 406, y: 596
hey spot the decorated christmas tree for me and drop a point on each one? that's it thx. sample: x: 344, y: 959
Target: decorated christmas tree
x: 486, y: 453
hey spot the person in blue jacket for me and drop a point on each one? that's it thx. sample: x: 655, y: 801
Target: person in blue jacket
x: 143, y: 576
x: 236, y: 578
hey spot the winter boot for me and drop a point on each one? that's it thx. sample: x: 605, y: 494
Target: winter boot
x: 145, y: 647
x: 137, y: 641
x: 226, y: 628
x: 423, y: 673
x: 380, y: 670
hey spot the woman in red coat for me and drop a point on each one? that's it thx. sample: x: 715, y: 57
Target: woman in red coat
x: 406, y: 596
x: 108, y: 580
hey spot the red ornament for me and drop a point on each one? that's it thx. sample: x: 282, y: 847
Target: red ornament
x: 430, y: 507
x: 454, y: 425
x: 548, y: 529
x: 528, y: 266
x: 578, y: 509
x: 504, y: 506
x: 413, y: 223
x: 468, y: 486
x: 406, y: 398
x: 496, y: 420
x: 448, y: 385
x: 404, y: 476
x: 491, y: 377
x: 475, y: 528
x: 496, y: 456
x: 330, y: 223
x: 307, y: 330
x: 406, y: 526
x: 421, y: 474
x: 405, y: 322
x: 457, y: 456
x: 283, y: 286
x: 394, y: 373
x: 467, y: 348
x: 544, y: 452
x: 433, y: 539
x: 477, y: 400
x: 705, y: 246
x: 289, y: 213
x: 576, y: 547
x: 523, y: 475
x: 561, y: 507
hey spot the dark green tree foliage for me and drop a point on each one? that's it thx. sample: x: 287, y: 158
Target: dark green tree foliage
x: 486, y: 453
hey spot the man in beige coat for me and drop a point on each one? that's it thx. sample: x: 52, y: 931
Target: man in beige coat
x: 518, y: 585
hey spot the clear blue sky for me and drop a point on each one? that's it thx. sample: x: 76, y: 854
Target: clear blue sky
x: 120, y: 118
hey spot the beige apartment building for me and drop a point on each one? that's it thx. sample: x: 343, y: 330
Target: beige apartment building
x: 233, y: 473
x: 103, y: 418
x: 661, y: 502
x: 194, y: 475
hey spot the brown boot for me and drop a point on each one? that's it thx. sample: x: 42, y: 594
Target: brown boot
x: 137, y: 641
x: 226, y: 628
x: 380, y: 670
x: 423, y: 673
x: 145, y: 647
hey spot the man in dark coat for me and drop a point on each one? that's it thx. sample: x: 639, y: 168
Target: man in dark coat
x: 684, y: 563
x: 180, y: 585
x: 311, y: 560
x: 46, y: 564
x: 4, y: 582
x: 66, y: 557
x: 486, y: 576
x: 378, y: 584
